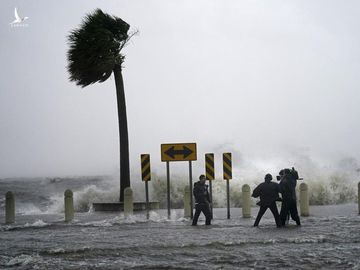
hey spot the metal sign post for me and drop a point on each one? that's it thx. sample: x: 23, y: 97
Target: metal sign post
x: 191, y: 195
x: 228, y: 198
x: 178, y: 152
x: 210, y: 175
x: 146, y: 176
x: 147, y: 200
x: 168, y: 187
x: 227, y: 169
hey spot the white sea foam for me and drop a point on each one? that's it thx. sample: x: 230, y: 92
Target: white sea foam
x: 56, y: 204
x: 132, y: 219
x: 28, y: 209
x: 100, y: 223
x: 56, y: 251
x: 38, y: 223
x: 301, y: 240
x: 23, y: 259
x: 156, y: 217
x: 84, y: 198
x: 182, y: 219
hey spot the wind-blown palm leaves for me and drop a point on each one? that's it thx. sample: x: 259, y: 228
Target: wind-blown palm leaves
x: 94, y: 54
x: 95, y: 48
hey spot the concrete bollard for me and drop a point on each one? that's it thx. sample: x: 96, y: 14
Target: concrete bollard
x: 69, y: 205
x: 246, y: 201
x: 128, y: 201
x: 187, y: 206
x: 359, y: 196
x: 304, y: 200
x: 9, y: 208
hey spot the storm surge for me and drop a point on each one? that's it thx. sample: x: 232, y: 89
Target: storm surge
x: 327, y: 185
x: 46, y: 195
x: 335, y: 189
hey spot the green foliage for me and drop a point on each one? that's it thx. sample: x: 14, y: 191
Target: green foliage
x: 95, y: 48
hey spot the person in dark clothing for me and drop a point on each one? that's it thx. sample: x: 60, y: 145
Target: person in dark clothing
x: 288, y: 179
x: 202, y: 201
x: 269, y: 194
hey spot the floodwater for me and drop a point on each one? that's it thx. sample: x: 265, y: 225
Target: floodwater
x: 328, y: 239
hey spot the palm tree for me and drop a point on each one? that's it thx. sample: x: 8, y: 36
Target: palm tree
x: 94, y: 54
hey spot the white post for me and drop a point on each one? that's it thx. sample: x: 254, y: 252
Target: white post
x: 246, y: 201
x: 9, y: 208
x: 69, y: 205
x: 187, y: 203
x: 304, y: 200
x: 128, y: 202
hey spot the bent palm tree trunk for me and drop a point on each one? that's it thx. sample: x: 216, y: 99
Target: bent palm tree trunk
x: 123, y: 132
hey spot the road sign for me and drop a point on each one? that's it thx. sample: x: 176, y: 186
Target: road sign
x: 146, y: 176
x: 210, y: 175
x: 209, y: 166
x: 145, y: 167
x: 227, y: 169
x: 227, y: 166
x: 178, y: 152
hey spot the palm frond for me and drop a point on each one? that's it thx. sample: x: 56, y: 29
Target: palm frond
x: 95, y: 48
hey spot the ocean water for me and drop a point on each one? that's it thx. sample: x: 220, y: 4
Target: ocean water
x: 328, y: 239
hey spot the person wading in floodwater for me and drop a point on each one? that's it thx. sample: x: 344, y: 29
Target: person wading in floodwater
x: 202, y: 201
x: 288, y: 179
x: 269, y: 194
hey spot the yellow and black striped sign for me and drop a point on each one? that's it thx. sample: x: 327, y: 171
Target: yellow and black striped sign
x: 227, y: 166
x: 145, y: 167
x: 209, y: 166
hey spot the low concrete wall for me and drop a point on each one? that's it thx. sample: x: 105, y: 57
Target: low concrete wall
x: 119, y: 206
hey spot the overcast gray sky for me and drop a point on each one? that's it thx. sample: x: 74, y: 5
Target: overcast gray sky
x: 270, y: 81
